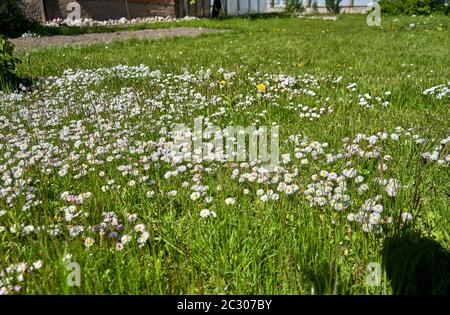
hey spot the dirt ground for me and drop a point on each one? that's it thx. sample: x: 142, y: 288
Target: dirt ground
x: 31, y: 42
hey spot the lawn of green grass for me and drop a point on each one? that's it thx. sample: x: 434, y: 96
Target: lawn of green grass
x: 104, y: 130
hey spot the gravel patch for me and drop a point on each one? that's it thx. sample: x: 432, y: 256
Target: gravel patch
x: 26, y: 43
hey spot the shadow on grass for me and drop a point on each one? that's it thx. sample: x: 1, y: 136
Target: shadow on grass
x: 416, y: 265
x: 321, y: 277
x: 14, y: 83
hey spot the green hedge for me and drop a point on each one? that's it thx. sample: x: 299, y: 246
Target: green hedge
x: 13, y: 22
x: 410, y: 7
x: 333, y: 6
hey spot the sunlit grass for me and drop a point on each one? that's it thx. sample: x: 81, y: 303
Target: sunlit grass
x: 285, y: 246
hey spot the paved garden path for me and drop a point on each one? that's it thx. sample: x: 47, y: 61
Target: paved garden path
x: 31, y: 42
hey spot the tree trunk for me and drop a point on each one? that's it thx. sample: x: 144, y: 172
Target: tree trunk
x: 43, y: 15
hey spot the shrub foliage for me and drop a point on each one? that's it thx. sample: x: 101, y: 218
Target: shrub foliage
x: 410, y: 7
x: 8, y: 62
x: 13, y: 22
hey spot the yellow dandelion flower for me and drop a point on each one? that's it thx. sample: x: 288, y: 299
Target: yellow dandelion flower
x: 261, y: 87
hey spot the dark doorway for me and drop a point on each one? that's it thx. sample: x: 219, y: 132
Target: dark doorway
x: 202, y: 8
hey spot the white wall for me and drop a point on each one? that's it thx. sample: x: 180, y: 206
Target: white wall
x: 243, y: 7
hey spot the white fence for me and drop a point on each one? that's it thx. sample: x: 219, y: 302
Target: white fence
x: 244, y: 7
